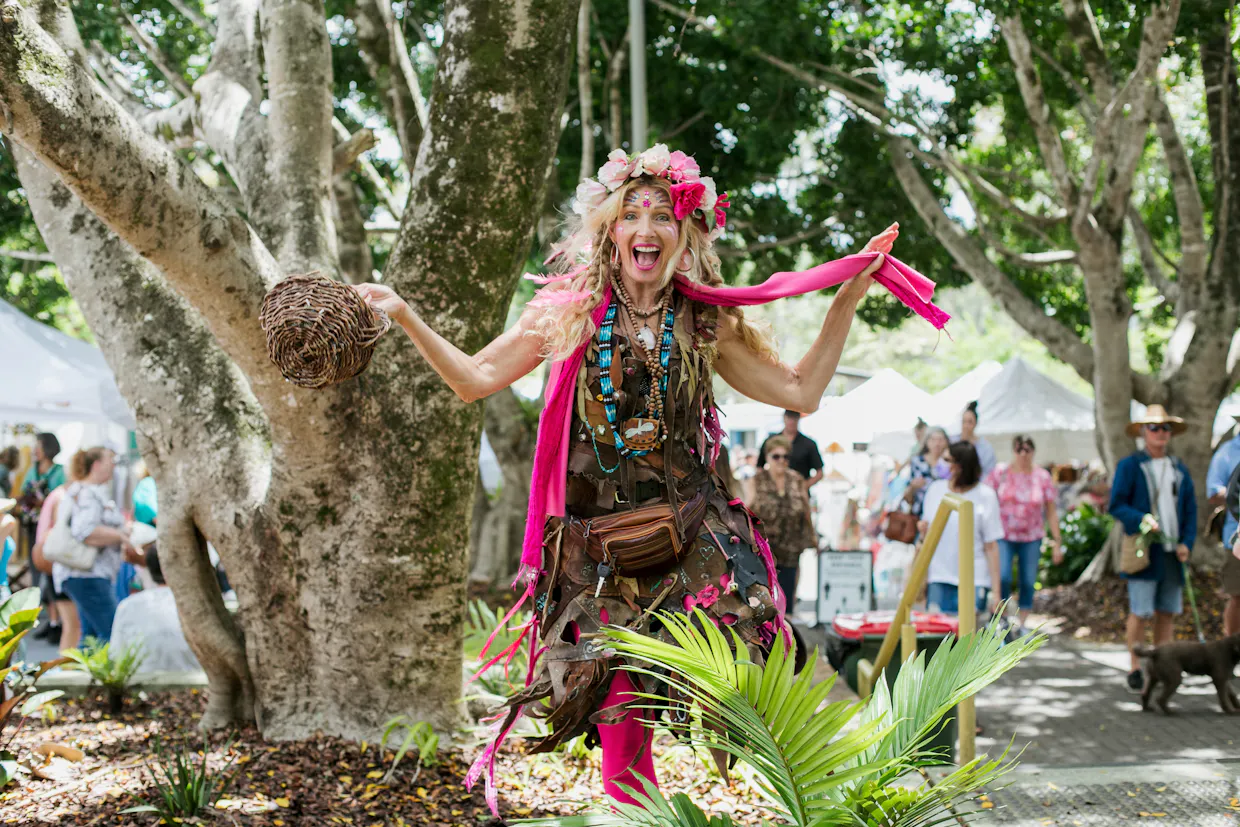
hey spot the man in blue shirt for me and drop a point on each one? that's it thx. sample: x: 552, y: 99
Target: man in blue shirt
x: 1225, y: 460
x: 1152, y: 483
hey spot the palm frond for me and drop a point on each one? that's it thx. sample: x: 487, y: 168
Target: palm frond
x: 765, y: 716
x: 926, y: 690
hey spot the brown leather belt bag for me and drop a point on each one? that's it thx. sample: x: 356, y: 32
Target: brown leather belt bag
x: 639, y: 542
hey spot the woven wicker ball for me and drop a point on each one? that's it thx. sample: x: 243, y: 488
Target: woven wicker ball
x: 319, y: 332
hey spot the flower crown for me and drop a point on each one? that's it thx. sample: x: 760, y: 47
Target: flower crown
x: 692, y: 194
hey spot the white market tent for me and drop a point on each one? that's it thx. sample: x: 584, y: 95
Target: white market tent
x: 51, y: 377
x: 886, y: 402
x: 944, y: 409
x: 1012, y: 399
x: 1021, y: 400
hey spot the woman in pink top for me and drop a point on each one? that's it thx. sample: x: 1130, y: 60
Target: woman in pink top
x: 1026, y: 506
x: 70, y: 625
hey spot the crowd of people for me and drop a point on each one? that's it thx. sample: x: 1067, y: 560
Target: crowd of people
x: 95, y: 564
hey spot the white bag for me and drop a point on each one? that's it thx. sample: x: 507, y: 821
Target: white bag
x: 61, y: 546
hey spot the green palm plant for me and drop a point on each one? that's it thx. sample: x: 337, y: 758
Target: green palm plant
x: 813, y: 768
x: 112, y: 671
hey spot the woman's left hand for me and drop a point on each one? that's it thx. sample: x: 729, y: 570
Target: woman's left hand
x: 884, y: 241
x: 1056, y: 552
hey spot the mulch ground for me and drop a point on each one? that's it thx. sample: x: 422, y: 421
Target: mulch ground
x: 1098, y: 611
x: 324, y: 781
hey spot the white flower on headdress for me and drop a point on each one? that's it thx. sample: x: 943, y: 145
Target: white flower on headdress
x: 653, y: 161
x: 711, y: 195
x: 590, y: 195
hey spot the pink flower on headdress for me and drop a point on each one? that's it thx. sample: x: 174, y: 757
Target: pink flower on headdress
x: 653, y: 161
x: 617, y: 169
x: 686, y: 198
x: 720, y: 205
x: 682, y: 167
x: 590, y: 194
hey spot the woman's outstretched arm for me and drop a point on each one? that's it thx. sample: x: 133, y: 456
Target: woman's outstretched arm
x: 508, y: 357
x: 800, y: 387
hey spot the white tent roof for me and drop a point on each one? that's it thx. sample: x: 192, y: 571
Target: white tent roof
x: 885, y: 402
x: 52, y: 377
x: 1020, y: 400
x: 947, y: 405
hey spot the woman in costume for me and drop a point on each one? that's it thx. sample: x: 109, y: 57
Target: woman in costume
x: 627, y: 514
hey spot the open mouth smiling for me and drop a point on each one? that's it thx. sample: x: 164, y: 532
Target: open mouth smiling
x: 645, y: 256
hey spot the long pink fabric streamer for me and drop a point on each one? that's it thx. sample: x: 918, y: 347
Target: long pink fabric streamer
x: 550, y: 475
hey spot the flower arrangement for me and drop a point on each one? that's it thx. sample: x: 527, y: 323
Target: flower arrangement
x: 692, y: 193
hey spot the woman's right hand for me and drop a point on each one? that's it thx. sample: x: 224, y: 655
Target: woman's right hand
x: 382, y: 297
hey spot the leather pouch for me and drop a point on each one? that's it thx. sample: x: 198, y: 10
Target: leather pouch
x: 639, y: 542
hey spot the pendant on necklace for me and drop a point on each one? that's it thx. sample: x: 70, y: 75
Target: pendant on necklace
x: 646, y: 337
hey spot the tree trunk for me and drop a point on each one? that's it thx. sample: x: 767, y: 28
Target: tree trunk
x: 342, y: 514
x: 1109, y: 311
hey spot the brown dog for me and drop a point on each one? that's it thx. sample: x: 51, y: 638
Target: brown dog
x: 1166, y: 664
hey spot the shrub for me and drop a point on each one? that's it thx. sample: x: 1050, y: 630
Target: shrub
x: 183, y: 789
x: 419, y: 735
x: 18, y: 615
x: 112, y: 674
x: 1085, y: 531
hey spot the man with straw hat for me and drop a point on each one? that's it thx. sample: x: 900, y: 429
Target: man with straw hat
x: 1222, y: 466
x: 1152, y: 493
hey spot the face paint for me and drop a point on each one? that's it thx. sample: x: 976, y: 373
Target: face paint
x: 646, y: 198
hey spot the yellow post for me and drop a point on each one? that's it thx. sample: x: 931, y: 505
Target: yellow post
x: 908, y: 641
x: 917, y: 578
x: 966, y: 597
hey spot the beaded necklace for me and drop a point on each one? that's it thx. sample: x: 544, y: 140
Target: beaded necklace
x: 640, y: 435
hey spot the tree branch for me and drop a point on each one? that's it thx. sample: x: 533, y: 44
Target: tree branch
x: 153, y: 53
x: 176, y: 125
x: 1149, y: 259
x: 1189, y: 209
x: 298, y: 59
x: 585, y: 91
x: 1058, y: 338
x: 1049, y: 143
x: 788, y: 241
x: 1084, y: 31
x: 383, y: 49
x: 369, y: 172
x: 1090, y: 113
x: 1125, y: 145
x: 194, y: 16
x: 683, y: 125
x: 615, y: 103
x: 348, y: 151
x: 28, y: 255
x: 138, y: 187
x: 357, y: 264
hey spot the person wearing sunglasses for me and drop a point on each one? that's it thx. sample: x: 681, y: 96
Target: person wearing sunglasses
x: 1027, y: 508
x: 780, y: 498
x: 1154, y: 487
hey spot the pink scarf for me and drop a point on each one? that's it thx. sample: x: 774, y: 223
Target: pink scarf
x: 550, y: 475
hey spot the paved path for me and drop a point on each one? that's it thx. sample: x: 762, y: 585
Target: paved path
x: 1091, y: 757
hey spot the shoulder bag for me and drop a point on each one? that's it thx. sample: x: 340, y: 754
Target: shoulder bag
x: 901, y: 525
x: 62, y: 547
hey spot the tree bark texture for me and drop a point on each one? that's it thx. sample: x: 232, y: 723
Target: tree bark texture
x: 341, y: 515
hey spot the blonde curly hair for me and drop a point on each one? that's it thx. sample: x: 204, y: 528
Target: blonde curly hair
x: 581, y: 264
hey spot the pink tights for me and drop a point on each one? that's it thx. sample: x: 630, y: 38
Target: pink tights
x: 626, y: 745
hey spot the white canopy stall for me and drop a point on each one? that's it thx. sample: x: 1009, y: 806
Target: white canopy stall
x: 884, y: 403
x: 51, y: 378
x: 1021, y: 400
x: 944, y: 409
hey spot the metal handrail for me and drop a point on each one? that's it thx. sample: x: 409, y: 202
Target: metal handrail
x: 967, y: 612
